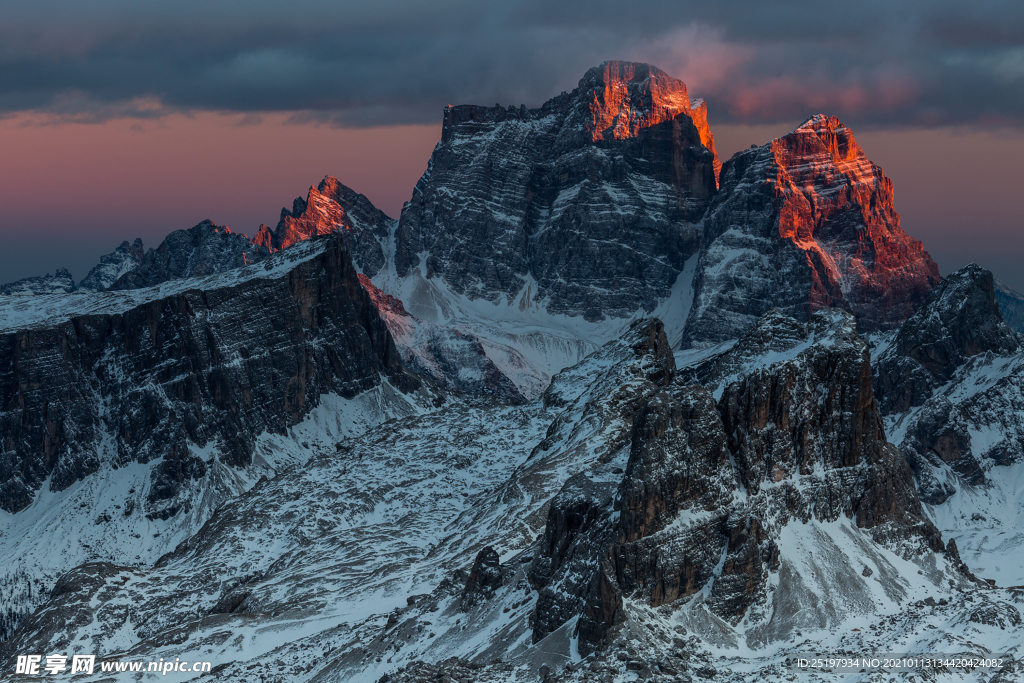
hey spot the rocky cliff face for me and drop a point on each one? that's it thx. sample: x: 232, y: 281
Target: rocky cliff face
x: 201, y: 250
x: 645, y: 502
x: 1011, y: 305
x: 713, y: 480
x: 589, y: 204
x: 60, y: 282
x: 450, y: 357
x: 951, y: 382
x: 960, y: 320
x: 803, y: 223
x: 215, y: 363
x: 333, y: 207
x: 112, y: 266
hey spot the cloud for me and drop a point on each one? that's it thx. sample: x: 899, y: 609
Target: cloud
x: 920, y: 62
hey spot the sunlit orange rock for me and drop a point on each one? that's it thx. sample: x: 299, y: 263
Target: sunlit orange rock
x: 590, y: 203
x: 803, y: 223
x: 626, y: 97
x: 332, y: 207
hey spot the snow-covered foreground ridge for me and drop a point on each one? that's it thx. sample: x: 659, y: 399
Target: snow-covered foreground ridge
x: 626, y: 510
x: 128, y: 417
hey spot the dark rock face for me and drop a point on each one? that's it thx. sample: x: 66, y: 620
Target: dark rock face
x: 484, y: 578
x: 710, y: 484
x: 215, y: 363
x: 1011, y: 305
x: 787, y: 409
x: 60, y: 282
x: 592, y: 200
x: 204, y: 249
x: 112, y: 266
x: 569, y: 567
x: 960, y: 320
x: 937, y: 437
x: 328, y: 208
x: 819, y: 412
x: 803, y: 223
x: 679, y: 460
x: 955, y: 368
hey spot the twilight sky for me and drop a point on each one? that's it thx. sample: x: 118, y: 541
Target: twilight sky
x: 121, y: 119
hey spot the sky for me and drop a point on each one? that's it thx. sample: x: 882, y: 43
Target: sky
x: 121, y: 119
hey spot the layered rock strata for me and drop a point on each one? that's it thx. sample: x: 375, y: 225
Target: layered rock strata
x: 790, y: 435
x: 143, y: 376
x: 804, y: 223
x: 589, y: 204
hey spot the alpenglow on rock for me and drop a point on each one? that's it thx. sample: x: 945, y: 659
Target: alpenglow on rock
x: 333, y: 207
x: 590, y: 203
x: 803, y: 223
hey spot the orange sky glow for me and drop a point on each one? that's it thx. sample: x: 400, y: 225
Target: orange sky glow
x: 72, y: 191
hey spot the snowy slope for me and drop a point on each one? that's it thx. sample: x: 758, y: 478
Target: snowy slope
x: 952, y: 379
x: 135, y: 411
x: 356, y: 564
x: 526, y: 342
x: 96, y: 514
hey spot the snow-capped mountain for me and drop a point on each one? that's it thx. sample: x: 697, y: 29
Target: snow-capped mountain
x: 204, y: 249
x: 951, y: 381
x: 595, y: 407
x: 149, y: 373
x: 803, y: 223
x: 605, y: 517
x: 589, y: 205
x: 1011, y: 304
x: 164, y: 398
x: 332, y: 207
x: 60, y: 282
x: 112, y: 266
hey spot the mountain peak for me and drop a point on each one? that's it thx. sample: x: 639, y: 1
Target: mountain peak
x: 623, y: 97
x: 614, y: 71
x: 815, y: 189
x: 823, y: 133
x: 332, y: 207
x: 821, y: 122
x: 616, y: 100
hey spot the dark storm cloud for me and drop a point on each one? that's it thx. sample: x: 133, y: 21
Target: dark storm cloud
x: 918, y: 62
